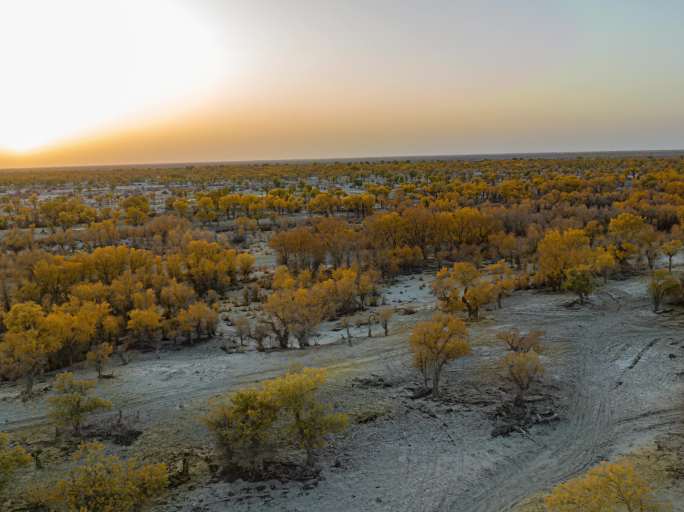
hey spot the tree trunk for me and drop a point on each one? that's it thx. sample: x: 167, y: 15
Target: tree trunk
x: 519, y: 400
x: 283, y: 339
x: 303, y: 341
x: 310, y: 458
x: 29, y: 379
x: 435, y: 381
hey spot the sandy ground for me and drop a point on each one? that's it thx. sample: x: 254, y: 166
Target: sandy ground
x: 614, y: 369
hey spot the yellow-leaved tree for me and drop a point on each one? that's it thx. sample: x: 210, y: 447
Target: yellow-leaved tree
x: 609, y: 487
x: 558, y: 252
x: 11, y: 459
x: 249, y: 424
x: 103, y: 483
x: 661, y: 285
x: 580, y: 280
x: 306, y: 419
x: 26, y: 346
x: 670, y: 249
x: 435, y: 343
x: 198, y: 319
x: 463, y: 288
x: 242, y: 424
x: 523, y: 369
x: 99, y: 356
x: 71, y: 405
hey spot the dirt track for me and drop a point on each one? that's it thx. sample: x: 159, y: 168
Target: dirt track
x: 608, y: 364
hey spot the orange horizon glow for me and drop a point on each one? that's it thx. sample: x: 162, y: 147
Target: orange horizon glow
x: 92, y: 82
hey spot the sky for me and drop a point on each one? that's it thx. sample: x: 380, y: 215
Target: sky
x: 88, y: 82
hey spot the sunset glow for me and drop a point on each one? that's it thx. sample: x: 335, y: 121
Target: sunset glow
x: 101, y: 82
x: 75, y: 68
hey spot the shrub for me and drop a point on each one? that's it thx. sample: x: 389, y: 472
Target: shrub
x: 103, y: 483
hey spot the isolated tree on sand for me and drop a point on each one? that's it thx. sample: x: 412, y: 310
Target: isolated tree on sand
x: 661, y: 285
x: 523, y: 369
x: 437, y: 342
x: 72, y: 404
x: 609, y: 487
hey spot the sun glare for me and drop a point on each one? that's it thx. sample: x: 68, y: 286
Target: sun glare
x: 77, y: 67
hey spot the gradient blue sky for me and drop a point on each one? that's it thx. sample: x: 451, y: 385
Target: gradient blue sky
x: 200, y: 80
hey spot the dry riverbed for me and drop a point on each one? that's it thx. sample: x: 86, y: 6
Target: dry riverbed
x: 614, y: 376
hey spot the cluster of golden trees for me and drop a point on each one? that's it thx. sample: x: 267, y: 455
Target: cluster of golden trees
x: 101, y: 482
x: 465, y: 288
x: 298, y: 305
x: 95, y: 481
x: 11, y: 459
x: 93, y: 273
x: 64, y: 309
x: 250, y: 425
x: 444, y: 339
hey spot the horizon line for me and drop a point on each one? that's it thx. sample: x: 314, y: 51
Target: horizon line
x: 383, y: 158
